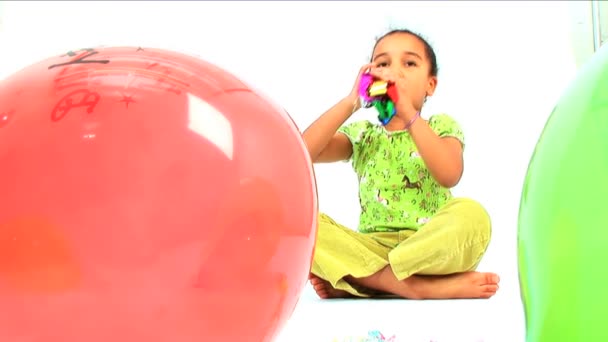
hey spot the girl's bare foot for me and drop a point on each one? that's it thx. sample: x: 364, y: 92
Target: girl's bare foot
x: 455, y: 286
x: 324, y: 289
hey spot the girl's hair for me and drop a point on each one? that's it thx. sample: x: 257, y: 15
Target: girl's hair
x: 430, y: 53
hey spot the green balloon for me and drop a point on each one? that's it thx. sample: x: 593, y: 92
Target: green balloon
x: 563, y: 216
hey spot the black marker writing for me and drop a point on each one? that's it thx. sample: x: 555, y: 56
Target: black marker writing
x: 81, y: 58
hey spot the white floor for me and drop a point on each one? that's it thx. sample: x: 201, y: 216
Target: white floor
x: 499, y: 319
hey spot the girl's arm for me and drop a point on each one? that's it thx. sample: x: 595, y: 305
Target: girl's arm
x: 442, y: 156
x: 325, y: 144
x: 322, y: 140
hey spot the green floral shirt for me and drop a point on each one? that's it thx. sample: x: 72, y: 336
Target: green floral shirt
x: 396, y: 190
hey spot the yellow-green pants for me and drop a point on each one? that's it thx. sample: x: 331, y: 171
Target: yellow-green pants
x: 452, y: 241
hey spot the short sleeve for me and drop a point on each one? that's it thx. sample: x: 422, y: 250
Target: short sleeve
x: 355, y: 132
x: 445, y: 126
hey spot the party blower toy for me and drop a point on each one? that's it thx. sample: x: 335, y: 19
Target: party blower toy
x: 379, y: 94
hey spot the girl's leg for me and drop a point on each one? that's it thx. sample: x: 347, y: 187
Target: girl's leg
x: 437, y: 261
x: 341, y: 254
x: 453, y: 241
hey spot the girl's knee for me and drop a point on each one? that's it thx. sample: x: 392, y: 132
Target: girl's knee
x: 473, y: 210
x: 326, y: 219
x: 471, y: 218
x: 330, y: 233
x: 467, y: 204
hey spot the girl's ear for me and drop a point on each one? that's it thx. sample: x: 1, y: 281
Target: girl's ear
x: 432, y: 85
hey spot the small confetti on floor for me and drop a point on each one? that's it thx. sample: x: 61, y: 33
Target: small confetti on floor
x: 372, y: 336
x: 376, y: 336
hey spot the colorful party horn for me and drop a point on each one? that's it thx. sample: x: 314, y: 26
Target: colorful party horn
x: 379, y: 94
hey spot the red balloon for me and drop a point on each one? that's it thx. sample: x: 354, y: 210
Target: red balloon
x: 148, y: 196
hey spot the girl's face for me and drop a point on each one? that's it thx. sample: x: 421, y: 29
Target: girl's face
x: 405, y: 56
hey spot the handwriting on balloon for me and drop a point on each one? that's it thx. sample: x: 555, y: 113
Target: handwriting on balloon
x: 162, y: 82
x: 81, y: 58
x: 69, y: 80
x: 76, y: 99
x: 154, y: 75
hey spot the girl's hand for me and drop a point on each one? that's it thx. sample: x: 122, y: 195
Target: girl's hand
x: 405, y: 106
x: 354, y: 93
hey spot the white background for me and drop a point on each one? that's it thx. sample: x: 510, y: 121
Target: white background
x: 502, y: 67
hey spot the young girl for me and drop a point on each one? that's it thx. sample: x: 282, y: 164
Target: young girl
x: 414, y: 239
